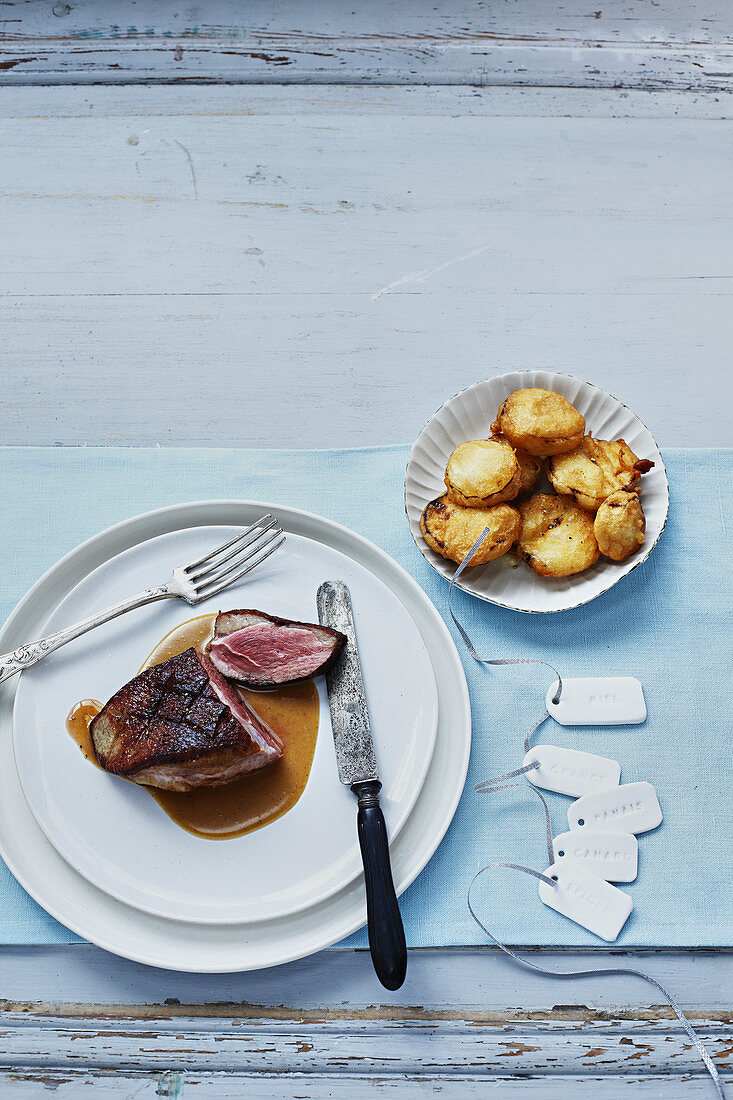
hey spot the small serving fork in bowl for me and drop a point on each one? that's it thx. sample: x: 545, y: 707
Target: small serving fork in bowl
x: 197, y: 581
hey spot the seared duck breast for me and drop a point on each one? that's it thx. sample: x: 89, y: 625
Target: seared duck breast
x: 263, y: 651
x: 179, y: 725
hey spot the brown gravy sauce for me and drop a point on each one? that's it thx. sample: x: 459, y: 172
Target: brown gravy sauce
x: 78, y: 722
x: 220, y: 813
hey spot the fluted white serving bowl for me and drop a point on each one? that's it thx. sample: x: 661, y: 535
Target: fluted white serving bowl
x: 507, y: 581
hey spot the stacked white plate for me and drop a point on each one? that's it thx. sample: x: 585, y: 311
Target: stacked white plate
x: 101, y: 856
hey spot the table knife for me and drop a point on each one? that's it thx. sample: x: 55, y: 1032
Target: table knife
x: 357, y: 767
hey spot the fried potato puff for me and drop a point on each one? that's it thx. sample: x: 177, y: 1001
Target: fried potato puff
x: 481, y: 473
x: 620, y: 525
x: 451, y: 530
x: 540, y: 422
x: 594, y: 470
x: 530, y: 466
x: 557, y: 538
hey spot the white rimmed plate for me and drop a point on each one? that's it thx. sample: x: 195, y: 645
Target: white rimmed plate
x: 119, y: 838
x: 224, y: 947
x: 469, y: 415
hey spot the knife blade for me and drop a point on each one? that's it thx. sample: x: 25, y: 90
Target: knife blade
x: 357, y: 768
x: 352, y: 734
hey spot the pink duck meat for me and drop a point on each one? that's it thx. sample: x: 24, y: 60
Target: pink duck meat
x: 263, y: 651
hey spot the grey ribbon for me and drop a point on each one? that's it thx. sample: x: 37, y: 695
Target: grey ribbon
x: 600, y: 971
x: 491, y: 786
x: 497, y: 660
x: 484, y: 788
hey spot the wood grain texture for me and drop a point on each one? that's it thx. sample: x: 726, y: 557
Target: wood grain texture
x: 380, y: 1047
x: 465, y: 1019
x: 34, y: 1084
x: 648, y: 44
x: 136, y: 101
x: 324, y: 266
x: 479, y: 983
x: 223, y: 274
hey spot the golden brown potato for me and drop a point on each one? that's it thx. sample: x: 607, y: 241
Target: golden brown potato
x: 557, y: 538
x: 482, y: 472
x: 540, y: 422
x: 619, y: 526
x: 451, y: 530
x: 594, y: 470
x: 530, y: 466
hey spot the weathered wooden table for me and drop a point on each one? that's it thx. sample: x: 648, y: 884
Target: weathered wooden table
x: 360, y: 212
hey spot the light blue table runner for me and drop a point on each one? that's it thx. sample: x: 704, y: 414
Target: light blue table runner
x: 667, y: 623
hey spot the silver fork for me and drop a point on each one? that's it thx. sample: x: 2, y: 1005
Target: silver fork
x: 200, y: 579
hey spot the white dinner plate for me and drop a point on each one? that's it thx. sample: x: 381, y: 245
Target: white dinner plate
x: 506, y: 581
x: 119, y: 838
x: 224, y: 946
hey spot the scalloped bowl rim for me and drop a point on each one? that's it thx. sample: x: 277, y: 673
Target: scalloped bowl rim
x: 428, y: 554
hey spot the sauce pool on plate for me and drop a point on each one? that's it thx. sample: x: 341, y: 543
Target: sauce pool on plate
x: 77, y: 724
x: 220, y: 813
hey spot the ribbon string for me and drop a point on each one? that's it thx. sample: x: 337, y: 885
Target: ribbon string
x: 492, y: 786
x: 601, y: 971
x: 497, y: 660
x: 545, y: 716
x: 482, y: 788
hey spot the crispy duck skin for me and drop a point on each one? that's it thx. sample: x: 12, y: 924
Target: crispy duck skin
x: 263, y: 651
x: 178, y: 726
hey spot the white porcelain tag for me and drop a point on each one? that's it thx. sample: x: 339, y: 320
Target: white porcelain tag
x: 630, y: 808
x: 568, y: 771
x: 586, y: 899
x: 598, y: 701
x: 612, y: 856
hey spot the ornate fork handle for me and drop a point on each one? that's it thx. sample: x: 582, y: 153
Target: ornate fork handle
x: 32, y: 652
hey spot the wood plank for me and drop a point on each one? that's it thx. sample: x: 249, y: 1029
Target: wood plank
x: 69, y: 1085
x: 462, y: 1019
x: 356, y: 1046
x: 471, y: 1004
x: 144, y: 102
x: 321, y: 1025
x: 652, y: 44
x: 327, y: 268
x: 480, y: 983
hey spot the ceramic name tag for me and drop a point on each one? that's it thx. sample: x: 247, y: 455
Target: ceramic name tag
x: 612, y: 856
x: 568, y: 771
x: 586, y: 899
x: 598, y: 701
x: 630, y: 808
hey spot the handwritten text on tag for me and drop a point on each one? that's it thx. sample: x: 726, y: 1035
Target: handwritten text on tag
x: 612, y: 856
x: 568, y: 771
x: 598, y: 701
x: 586, y: 899
x: 630, y: 808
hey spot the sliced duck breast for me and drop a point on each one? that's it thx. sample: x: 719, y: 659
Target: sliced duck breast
x: 264, y: 651
x: 179, y: 725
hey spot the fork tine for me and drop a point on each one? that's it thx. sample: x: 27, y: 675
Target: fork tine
x: 251, y: 563
x: 226, y: 545
x: 240, y: 559
x: 246, y: 539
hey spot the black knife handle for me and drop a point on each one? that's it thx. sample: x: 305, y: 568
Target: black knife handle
x: 384, y: 923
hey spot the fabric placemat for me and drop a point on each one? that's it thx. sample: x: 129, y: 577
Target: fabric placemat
x: 667, y: 622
